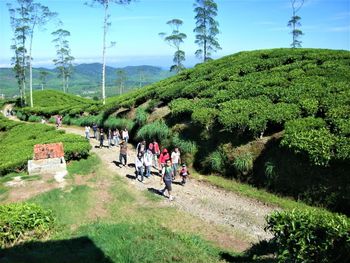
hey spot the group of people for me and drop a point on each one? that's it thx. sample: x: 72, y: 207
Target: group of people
x: 113, y: 136
x: 149, y: 155
x: 166, y: 164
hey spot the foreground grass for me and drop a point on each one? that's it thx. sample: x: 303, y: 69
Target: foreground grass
x: 135, y: 228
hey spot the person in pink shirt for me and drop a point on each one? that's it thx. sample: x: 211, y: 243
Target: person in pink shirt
x: 163, y: 157
x: 154, y: 147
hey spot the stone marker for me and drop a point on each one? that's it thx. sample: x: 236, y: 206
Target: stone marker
x: 47, y: 151
x: 48, y: 159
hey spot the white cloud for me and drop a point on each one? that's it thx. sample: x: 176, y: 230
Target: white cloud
x: 339, y: 29
x: 341, y: 16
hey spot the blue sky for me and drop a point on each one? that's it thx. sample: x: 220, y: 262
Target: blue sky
x: 244, y: 25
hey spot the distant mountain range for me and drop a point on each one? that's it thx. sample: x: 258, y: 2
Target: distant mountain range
x: 86, y: 79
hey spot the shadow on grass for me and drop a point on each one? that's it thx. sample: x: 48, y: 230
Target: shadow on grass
x: 261, y: 252
x: 76, y: 250
x: 155, y: 191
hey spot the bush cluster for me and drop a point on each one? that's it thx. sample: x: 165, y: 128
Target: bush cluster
x: 310, y: 236
x: 23, y: 221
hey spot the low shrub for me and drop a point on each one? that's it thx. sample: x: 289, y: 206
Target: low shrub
x: 156, y: 130
x: 141, y: 116
x: 310, y: 236
x: 34, y: 118
x: 120, y: 123
x: 185, y: 146
x: 22, y: 221
x: 243, y: 163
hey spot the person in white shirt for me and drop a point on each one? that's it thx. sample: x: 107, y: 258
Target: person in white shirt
x: 175, y: 160
x: 125, y: 135
x: 147, y: 160
x: 139, y: 169
x: 87, y: 132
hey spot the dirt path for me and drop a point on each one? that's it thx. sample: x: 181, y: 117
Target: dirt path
x: 242, y: 216
x: 214, y: 205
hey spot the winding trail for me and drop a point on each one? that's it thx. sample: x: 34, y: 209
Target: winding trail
x: 245, y: 217
x: 214, y: 205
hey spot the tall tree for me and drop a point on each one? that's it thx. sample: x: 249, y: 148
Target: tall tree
x: 26, y: 16
x: 175, y: 39
x: 19, y: 18
x: 106, y: 24
x: 121, y: 79
x: 43, y: 77
x: 39, y: 15
x: 294, y: 23
x: 206, y: 28
x: 64, y: 59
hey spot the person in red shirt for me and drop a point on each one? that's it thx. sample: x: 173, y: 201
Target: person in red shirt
x: 163, y: 157
x: 154, y: 147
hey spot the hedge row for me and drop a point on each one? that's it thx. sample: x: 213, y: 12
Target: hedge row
x: 16, y: 146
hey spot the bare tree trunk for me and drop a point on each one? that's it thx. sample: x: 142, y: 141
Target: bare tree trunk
x: 105, y: 25
x: 63, y: 84
x: 30, y: 68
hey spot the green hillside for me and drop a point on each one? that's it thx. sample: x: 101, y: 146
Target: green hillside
x: 86, y: 79
x: 52, y: 102
x: 277, y: 119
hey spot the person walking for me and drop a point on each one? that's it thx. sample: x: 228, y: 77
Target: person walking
x: 109, y: 138
x: 116, y: 137
x: 147, y: 160
x: 101, y: 137
x: 141, y: 147
x: 125, y: 135
x: 94, y: 128
x: 167, y: 176
x: 163, y: 157
x: 156, y: 153
x: 175, y: 160
x: 87, y: 132
x: 139, y: 169
x: 184, y: 173
x: 123, y: 153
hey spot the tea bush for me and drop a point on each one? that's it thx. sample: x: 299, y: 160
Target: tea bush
x: 23, y: 221
x: 310, y: 236
x: 156, y: 130
x: 18, y: 144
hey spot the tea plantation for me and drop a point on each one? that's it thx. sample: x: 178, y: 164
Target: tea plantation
x: 277, y: 119
x: 18, y: 140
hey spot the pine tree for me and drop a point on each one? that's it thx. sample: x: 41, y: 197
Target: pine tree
x: 294, y: 23
x: 206, y: 28
x: 64, y: 59
x: 175, y: 39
